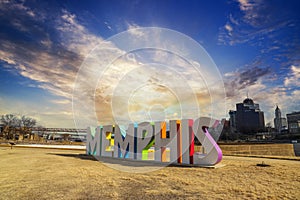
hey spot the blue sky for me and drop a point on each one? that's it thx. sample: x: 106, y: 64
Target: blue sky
x: 254, y: 44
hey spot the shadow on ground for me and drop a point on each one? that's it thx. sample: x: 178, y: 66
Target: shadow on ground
x: 72, y: 155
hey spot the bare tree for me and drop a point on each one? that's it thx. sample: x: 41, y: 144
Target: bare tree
x: 13, y: 123
x: 9, y: 121
x: 26, y: 124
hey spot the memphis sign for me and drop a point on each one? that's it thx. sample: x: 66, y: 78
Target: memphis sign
x: 152, y: 141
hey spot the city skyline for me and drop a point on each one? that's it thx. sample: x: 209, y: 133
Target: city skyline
x: 254, y: 44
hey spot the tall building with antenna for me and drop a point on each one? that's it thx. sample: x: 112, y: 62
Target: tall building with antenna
x: 280, y: 123
x: 277, y: 120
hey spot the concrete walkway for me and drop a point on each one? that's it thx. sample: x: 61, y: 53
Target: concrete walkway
x: 67, y: 147
x: 297, y: 149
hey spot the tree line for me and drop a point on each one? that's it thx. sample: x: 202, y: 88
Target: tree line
x: 16, y: 125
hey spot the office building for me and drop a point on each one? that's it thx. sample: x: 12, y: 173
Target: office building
x: 293, y: 120
x: 248, y: 118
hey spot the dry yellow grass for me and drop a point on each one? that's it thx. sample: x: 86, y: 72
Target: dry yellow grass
x: 62, y: 174
x: 259, y: 149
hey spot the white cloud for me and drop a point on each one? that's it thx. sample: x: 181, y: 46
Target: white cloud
x: 61, y: 101
x: 19, y: 7
x: 229, y: 74
x: 53, y: 66
x: 55, y: 71
x: 233, y: 20
x: 293, y: 78
x: 257, y: 20
x: 134, y: 30
x: 76, y: 37
x: 228, y: 28
x: 246, y: 5
x: 107, y: 25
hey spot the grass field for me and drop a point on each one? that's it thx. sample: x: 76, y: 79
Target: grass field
x: 27, y: 173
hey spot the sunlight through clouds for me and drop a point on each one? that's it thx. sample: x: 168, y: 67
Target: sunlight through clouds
x: 140, y: 72
x: 255, y: 44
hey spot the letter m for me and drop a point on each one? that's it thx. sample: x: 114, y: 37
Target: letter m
x: 93, y: 141
x: 124, y: 145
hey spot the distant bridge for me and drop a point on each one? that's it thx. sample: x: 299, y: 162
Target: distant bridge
x: 72, y: 134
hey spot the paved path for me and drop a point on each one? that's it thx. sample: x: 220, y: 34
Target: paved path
x: 297, y: 149
x: 52, y: 146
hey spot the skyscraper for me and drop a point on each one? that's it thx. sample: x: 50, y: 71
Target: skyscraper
x: 249, y: 119
x: 279, y: 122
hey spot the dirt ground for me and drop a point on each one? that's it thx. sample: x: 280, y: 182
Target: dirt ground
x: 27, y: 173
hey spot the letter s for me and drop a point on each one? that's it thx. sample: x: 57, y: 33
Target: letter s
x: 213, y: 153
